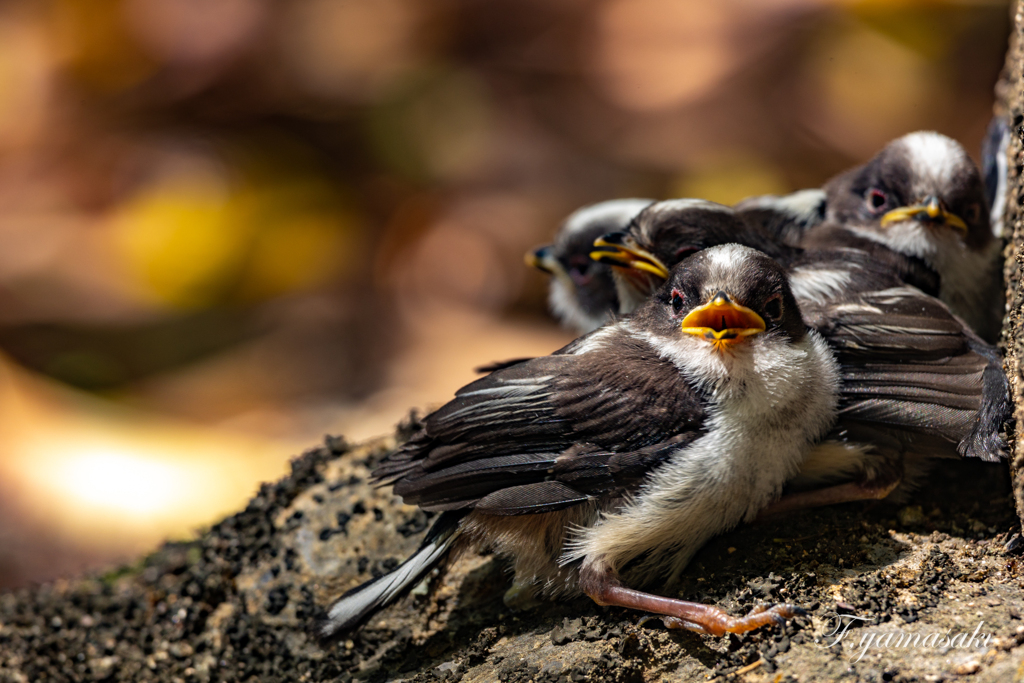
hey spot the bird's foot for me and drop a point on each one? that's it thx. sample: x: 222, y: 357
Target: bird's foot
x: 604, y: 589
x: 716, y: 622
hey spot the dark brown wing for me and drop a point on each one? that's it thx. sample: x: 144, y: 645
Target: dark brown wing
x: 550, y: 432
x: 907, y: 362
x: 831, y: 238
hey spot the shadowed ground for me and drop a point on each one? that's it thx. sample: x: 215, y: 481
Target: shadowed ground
x: 234, y: 604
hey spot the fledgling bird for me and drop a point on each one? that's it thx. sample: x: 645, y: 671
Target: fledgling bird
x: 916, y: 381
x: 922, y: 198
x: 609, y: 463
x: 665, y: 233
x: 581, y: 293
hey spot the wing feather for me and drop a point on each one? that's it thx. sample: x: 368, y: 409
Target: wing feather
x: 549, y: 432
x: 908, y: 363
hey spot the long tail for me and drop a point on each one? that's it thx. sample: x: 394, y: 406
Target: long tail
x: 355, y: 607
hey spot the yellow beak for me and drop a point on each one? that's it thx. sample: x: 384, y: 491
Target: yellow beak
x: 723, y: 322
x: 931, y: 207
x: 620, y: 250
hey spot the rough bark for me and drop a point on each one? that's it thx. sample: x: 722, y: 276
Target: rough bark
x: 1010, y: 104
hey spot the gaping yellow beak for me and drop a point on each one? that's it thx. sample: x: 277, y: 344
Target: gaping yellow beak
x: 932, y: 207
x: 723, y: 322
x: 620, y: 250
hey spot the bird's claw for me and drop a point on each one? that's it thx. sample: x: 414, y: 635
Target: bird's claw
x: 720, y: 623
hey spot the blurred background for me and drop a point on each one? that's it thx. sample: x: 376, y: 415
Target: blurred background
x: 228, y: 227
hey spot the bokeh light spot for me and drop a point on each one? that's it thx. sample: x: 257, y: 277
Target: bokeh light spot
x: 304, y: 251
x: 865, y: 88
x: 656, y: 54
x: 120, y: 481
x: 348, y: 48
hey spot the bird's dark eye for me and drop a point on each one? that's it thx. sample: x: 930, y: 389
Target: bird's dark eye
x: 876, y: 200
x: 973, y: 212
x: 677, y: 301
x: 773, y: 309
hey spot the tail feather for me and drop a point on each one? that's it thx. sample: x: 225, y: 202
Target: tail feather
x: 358, y: 605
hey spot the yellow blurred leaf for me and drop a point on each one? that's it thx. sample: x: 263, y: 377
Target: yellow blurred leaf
x: 183, y: 240
x: 299, y: 252
x: 928, y: 28
x: 863, y: 88
x: 730, y: 178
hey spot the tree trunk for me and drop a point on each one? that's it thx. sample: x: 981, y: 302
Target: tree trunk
x: 1010, y: 104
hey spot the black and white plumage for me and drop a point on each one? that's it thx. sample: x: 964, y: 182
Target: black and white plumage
x: 353, y: 608
x: 665, y: 232
x: 922, y: 198
x: 676, y: 228
x: 581, y: 293
x: 615, y: 458
x: 788, y: 217
x: 995, y: 170
x: 917, y: 382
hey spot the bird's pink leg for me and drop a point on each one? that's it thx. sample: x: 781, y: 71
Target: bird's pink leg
x: 604, y: 589
x: 830, y: 495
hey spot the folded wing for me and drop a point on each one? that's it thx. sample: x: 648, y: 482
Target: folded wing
x: 548, y: 433
x: 908, y: 363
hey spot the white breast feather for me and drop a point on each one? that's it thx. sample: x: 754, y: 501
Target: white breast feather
x: 769, y: 402
x: 966, y: 275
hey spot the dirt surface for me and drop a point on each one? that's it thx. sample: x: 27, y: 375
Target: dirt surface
x: 234, y: 605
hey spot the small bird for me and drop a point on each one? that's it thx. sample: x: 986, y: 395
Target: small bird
x: 666, y: 232
x: 609, y: 463
x: 916, y: 381
x: 919, y: 206
x: 582, y: 293
x: 922, y: 198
